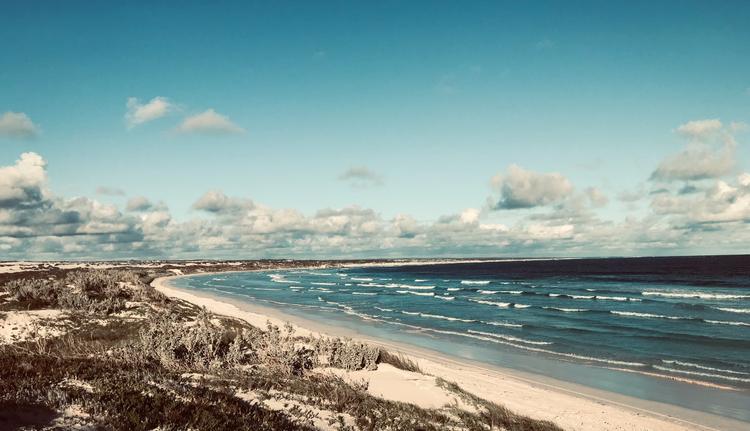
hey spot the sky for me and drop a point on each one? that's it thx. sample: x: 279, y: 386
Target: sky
x: 373, y: 129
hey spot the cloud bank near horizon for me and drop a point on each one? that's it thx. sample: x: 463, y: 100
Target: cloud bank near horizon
x: 696, y: 197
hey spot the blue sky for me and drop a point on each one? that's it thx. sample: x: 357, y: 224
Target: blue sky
x: 433, y: 98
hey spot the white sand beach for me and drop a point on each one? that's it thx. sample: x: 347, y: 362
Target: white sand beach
x: 569, y: 405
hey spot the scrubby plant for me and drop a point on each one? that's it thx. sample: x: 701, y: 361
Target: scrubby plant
x: 346, y: 354
x: 280, y: 349
x: 94, y: 291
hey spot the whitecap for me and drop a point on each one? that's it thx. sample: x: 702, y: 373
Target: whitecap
x: 476, y: 282
x: 698, y: 295
x: 734, y: 310
x: 724, y: 322
x: 536, y: 349
x: 702, y: 367
x: 648, y: 315
x: 446, y: 298
x: 320, y: 283
x: 497, y: 304
x: 364, y: 293
x: 360, y: 279
x: 702, y: 374
x: 511, y: 338
x: 504, y: 324
x: 417, y: 293
x: 566, y: 310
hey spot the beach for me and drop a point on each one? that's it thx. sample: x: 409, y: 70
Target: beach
x: 569, y: 405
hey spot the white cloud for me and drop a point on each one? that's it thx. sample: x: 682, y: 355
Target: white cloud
x: 710, y: 153
x: 520, y: 188
x: 209, y: 122
x: 215, y: 201
x: 140, y: 113
x: 138, y: 203
x: 361, y: 177
x: 596, y: 197
x: 22, y: 185
x: 17, y: 125
x: 699, y: 129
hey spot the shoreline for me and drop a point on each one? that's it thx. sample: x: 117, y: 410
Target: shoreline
x: 570, y: 405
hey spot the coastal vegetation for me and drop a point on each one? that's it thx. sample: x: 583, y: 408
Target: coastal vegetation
x: 120, y: 355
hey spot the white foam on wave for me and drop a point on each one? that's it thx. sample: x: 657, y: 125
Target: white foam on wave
x: 702, y: 374
x: 698, y: 295
x: 504, y: 324
x: 446, y: 298
x: 438, y: 316
x: 364, y: 293
x: 521, y: 306
x: 476, y: 282
x: 321, y: 283
x: 616, y: 298
x: 724, y: 322
x: 453, y: 289
x: 497, y: 304
x: 566, y: 310
x: 387, y: 310
x: 537, y: 349
x: 648, y: 315
x: 373, y: 285
x: 417, y: 293
x: 554, y: 295
x: 349, y: 310
x: 419, y: 280
x: 320, y: 289
x: 734, y: 310
x: 702, y: 367
x: 361, y: 279
x: 582, y: 297
x: 285, y: 281
x: 511, y: 338
x: 488, y: 292
x: 411, y: 286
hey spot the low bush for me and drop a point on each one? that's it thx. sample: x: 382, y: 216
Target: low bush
x: 346, y: 354
x: 94, y: 291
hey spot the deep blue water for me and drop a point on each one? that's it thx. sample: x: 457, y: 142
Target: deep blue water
x: 675, y: 330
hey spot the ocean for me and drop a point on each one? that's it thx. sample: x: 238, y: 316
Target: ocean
x: 668, y: 329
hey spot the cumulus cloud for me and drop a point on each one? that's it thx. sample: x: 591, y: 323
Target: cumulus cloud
x: 33, y: 221
x: 520, y: 188
x: 209, y: 122
x: 699, y: 129
x: 596, y: 197
x: 22, y: 185
x: 138, y: 203
x: 361, y: 177
x: 215, y: 201
x: 710, y: 153
x: 140, y: 113
x: 17, y: 125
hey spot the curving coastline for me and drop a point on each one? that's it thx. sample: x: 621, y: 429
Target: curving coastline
x: 569, y: 405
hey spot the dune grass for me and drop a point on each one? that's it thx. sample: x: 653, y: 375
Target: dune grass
x: 134, y: 369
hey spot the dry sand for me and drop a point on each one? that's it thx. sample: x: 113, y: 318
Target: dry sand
x: 573, y: 407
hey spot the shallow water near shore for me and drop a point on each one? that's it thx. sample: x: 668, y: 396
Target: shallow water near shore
x: 673, y: 330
